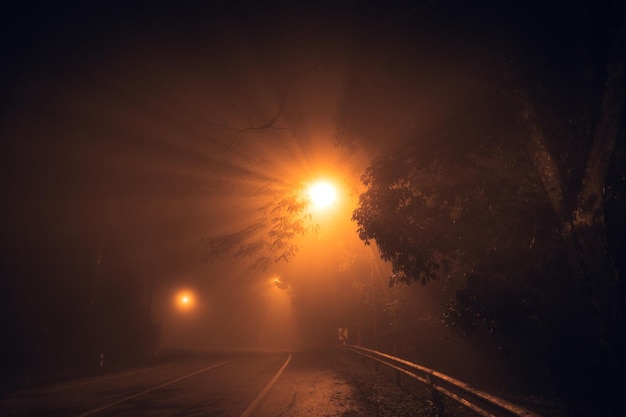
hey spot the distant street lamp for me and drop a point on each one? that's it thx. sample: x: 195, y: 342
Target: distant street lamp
x: 184, y: 300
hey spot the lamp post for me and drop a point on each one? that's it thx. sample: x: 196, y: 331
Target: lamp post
x: 373, y: 300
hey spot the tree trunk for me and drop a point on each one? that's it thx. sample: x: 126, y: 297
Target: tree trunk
x: 589, y: 232
x: 584, y: 228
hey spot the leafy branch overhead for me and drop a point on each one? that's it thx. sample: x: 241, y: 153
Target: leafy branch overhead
x: 268, y: 124
x: 272, y: 235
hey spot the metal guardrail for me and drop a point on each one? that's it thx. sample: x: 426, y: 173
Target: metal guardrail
x: 480, y: 402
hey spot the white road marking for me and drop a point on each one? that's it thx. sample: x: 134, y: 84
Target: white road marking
x: 130, y: 397
x: 263, y: 393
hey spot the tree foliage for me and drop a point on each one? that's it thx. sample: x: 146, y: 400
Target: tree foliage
x: 435, y: 201
x: 271, y: 236
x: 492, y: 135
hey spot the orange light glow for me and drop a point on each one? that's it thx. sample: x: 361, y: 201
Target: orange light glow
x: 184, y: 300
x: 322, y: 194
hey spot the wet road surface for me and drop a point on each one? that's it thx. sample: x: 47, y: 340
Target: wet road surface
x: 238, y: 384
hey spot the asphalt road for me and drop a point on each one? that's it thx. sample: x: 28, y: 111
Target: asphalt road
x: 237, y: 384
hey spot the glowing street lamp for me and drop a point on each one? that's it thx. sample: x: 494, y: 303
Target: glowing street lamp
x: 322, y: 194
x: 185, y: 300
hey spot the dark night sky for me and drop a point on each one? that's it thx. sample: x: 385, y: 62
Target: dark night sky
x: 114, y: 121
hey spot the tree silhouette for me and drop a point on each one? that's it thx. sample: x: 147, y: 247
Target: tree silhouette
x: 492, y: 140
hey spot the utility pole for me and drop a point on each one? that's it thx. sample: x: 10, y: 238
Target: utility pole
x: 375, y: 320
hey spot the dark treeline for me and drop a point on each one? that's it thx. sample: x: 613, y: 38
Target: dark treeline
x: 69, y: 307
x: 497, y: 141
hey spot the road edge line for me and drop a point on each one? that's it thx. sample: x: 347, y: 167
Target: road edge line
x: 130, y: 397
x: 248, y: 411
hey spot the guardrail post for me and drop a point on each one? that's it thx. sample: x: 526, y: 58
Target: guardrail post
x: 437, y: 402
x: 435, y: 396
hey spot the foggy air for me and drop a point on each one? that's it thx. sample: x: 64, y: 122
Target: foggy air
x: 263, y: 185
